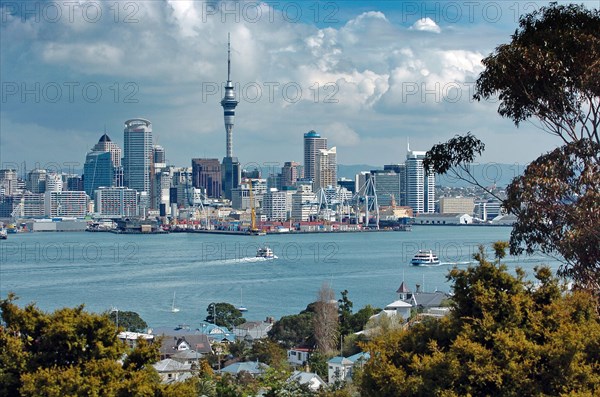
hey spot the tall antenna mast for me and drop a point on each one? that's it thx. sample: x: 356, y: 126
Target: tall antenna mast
x: 228, y: 56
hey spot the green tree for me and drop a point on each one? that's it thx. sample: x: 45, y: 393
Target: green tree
x: 224, y: 315
x: 268, y: 352
x: 345, y: 313
x: 505, y: 336
x: 129, y: 321
x: 294, y: 330
x: 547, y: 73
x: 71, y: 352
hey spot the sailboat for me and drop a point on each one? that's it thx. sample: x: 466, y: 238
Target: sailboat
x: 241, y: 307
x: 173, y: 308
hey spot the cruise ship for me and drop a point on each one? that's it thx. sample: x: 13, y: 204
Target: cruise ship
x: 425, y: 257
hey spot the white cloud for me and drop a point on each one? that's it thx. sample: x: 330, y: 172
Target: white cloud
x: 366, y: 67
x: 426, y: 25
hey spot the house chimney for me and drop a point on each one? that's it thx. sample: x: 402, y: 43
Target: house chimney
x: 418, y: 288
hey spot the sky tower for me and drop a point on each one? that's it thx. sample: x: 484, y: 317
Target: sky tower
x: 230, y: 169
x: 229, y: 103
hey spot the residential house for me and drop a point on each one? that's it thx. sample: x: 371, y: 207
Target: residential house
x: 314, y: 381
x: 252, y: 330
x: 298, y: 355
x: 340, y: 368
x: 172, y: 371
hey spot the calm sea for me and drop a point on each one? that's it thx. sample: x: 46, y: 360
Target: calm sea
x: 141, y: 273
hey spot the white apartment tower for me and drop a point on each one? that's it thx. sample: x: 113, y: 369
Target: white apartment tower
x: 420, y: 188
x: 137, y: 154
x: 326, y: 169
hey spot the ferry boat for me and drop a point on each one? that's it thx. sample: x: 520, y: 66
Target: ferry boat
x: 265, y: 252
x: 425, y: 257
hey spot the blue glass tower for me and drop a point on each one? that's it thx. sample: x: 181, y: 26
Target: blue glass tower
x: 98, y: 171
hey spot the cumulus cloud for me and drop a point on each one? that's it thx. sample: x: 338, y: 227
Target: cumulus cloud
x: 368, y: 73
x: 426, y: 25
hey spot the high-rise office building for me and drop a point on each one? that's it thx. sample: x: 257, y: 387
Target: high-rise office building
x: 67, y: 204
x: 420, y: 187
x: 137, y: 154
x: 231, y: 169
x: 8, y: 182
x: 326, y: 169
x: 98, y: 171
x: 206, y: 175
x: 106, y: 145
x: 36, y: 181
x: 312, y: 144
x: 54, y: 182
x: 290, y: 173
x: 158, y: 153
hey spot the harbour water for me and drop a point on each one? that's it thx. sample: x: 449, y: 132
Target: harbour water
x: 141, y: 272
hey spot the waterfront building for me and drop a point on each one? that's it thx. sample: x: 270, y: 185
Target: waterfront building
x: 488, y: 209
x: 206, y: 175
x: 303, y: 203
x: 450, y: 205
x: 276, y: 205
x: 98, y: 171
x: 116, y: 202
x: 326, y: 169
x: 388, y: 186
x: 137, y: 154
x: 420, y: 187
x: 36, y: 181
x: 240, y: 196
x: 312, y: 144
x: 66, y: 204
x: 31, y: 205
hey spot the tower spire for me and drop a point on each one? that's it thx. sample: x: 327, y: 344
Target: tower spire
x: 228, y: 56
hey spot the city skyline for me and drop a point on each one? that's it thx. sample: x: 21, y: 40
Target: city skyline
x: 414, y: 82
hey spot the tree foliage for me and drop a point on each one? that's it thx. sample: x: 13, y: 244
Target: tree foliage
x: 71, y: 352
x: 548, y: 72
x: 294, y: 330
x: 129, y: 321
x: 504, y: 337
x: 224, y: 315
x: 558, y: 203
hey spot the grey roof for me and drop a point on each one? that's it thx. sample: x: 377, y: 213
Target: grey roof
x: 186, y: 355
x: 197, y: 342
x: 306, y: 377
x: 427, y: 299
x: 168, y: 365
x: 252, y: 367
x: 403, y: 289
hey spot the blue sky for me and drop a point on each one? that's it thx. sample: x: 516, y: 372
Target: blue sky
x: 367, y: 75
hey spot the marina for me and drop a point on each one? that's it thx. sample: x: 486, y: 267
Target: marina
x: 141, y: 272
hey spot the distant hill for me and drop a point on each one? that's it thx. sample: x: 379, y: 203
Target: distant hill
x: 487, y: 174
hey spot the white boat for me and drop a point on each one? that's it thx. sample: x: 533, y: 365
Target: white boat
x: 241, y: 307
x: 173, y: 308
x: 3, y: 234
x: 425, y: 257
x: 265, y: 252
